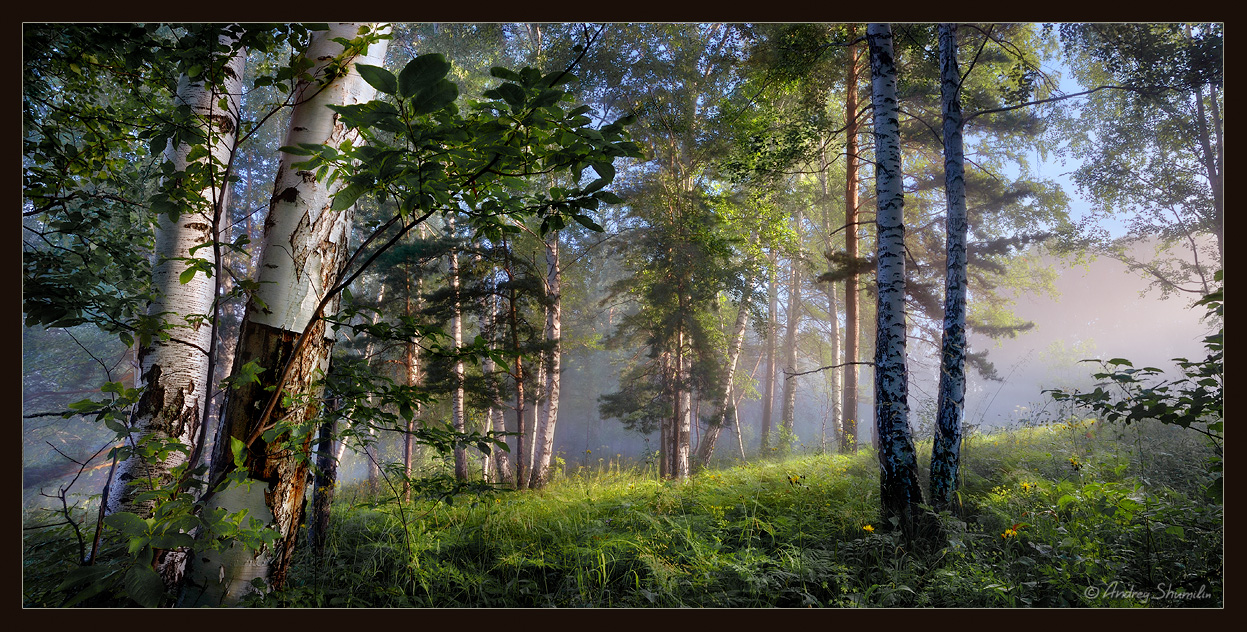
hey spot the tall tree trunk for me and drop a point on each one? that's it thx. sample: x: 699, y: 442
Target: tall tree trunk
x: 513, y: 316
x: 898, y: 477
x: 491, y: 327
x: 176, y: 372
x: 833, y: 375
x: 852, y: 296
x: 304, y: 250
x: 324, y: 483
x: 726, y: 407
x: 456, y: 329
x: 946, y: 448
x: 553, y: 363
x: 772, y: 331
x: 411, y: 371
x: 789, y: 397
x: 665, y: 426
x: 740, y: 436
x: 682, y: 425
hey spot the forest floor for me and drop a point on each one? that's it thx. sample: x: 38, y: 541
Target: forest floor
x: 1076, y: 514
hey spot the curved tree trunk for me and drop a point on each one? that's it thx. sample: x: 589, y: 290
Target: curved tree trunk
x: 946, y: 448
x: 304, y: 249
x: 726, y: 407
x: 898, y: 477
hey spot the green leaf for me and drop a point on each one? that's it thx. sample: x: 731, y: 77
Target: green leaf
x: 237, y: 447
x: 422, y: 73
x: 127, y: 523
x: 346, y: 197
x: 605, y: 170
x: 509, y: 92
x: 187, y: 275
x: 144, y: 585
x: 504, y: 73
x: 588, y: 223
x: 378, y: 77
x: 296, y: 151
x: 172, y: 541
x: 436, y: 97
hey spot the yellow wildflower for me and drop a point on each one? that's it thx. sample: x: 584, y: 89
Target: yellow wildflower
x: 868, y: 529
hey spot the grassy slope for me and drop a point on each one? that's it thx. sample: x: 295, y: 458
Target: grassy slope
x: 1089, y: 510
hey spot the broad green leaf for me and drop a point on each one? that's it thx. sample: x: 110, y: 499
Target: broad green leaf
x: 144, y: 585
x: 378, y: 77
x: 509, y: 92
x: 436, y: 97
x: 605, y: 170
x: 504, y: 73
x: 127, y: 523
x: 344, y: 198
x: 172, y: 540
x: 422, y: 73
x: 236, y: 447
x: 588, y: 223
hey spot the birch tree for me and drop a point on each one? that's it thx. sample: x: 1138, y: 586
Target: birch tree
x: 554, y: 337
x: 303, y: 253
x: 175, y: 369
x: 898, y: 477
x: 946, y: 448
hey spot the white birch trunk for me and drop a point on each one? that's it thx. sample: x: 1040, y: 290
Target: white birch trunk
x: 554, y: 335
x: 304, y: 250
x: 898, y: 477
x: 946, y: 447
x: 175, y: 371
x: 705, y: 449
x: 456, y: 332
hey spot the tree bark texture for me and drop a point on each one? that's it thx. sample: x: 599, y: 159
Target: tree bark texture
x: 303, y: 253
x: 946, y: 449
x: 898, y: 477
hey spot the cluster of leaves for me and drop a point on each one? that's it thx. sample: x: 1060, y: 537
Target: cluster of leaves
x: 427, y: 156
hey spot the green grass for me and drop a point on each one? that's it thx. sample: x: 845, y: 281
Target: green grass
x: 793, y: 533
x: 1123, y: 527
